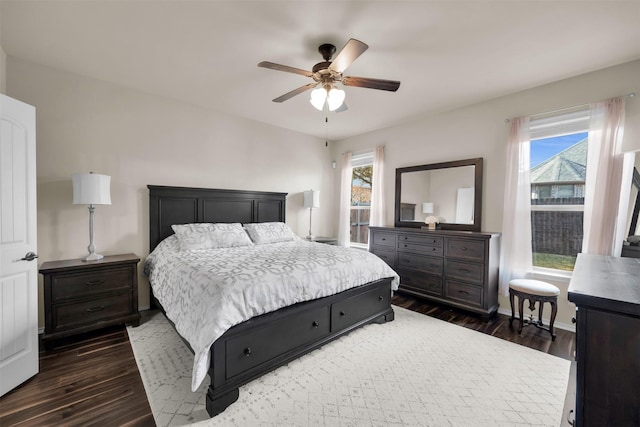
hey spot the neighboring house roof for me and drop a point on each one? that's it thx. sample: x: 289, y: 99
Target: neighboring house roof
x: 569, y: 165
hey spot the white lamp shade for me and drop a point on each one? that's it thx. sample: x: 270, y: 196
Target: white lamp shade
x: 312, y: 199
x: 318, y: 96
x: 335, y: 98
x: 427, y: 208
x: 91, y: 189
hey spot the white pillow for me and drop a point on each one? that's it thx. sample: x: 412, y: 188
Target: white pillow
x: 270, y: 232
x: 211, y: 236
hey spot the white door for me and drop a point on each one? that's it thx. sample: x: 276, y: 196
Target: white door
x: 18, y: 268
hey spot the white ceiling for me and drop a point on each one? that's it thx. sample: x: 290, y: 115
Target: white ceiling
x: 447, y: 54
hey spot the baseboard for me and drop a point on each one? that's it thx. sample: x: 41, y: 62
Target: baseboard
x: 559, y: 325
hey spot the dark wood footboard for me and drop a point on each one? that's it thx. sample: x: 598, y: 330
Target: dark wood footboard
x: 264, y: 343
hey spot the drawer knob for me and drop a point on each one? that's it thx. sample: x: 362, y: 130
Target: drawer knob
x: 94, y: 282
x: 247, y: 351
x: 381, y: 298
x: 94, y: 309
x: 463, y: 248
x: 315, y: 324
x: 342, y: 313
x: 573, y: 320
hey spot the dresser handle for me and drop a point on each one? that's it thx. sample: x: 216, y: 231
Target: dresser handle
x: 463, y: 292
x: 464, y: 270
x: 247, y: 351
x: 434, y: 249
x: 315, y: 324
x: 94, y: 282
x: 94, y: 309
x: 463, y: 248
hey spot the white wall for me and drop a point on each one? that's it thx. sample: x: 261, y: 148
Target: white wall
x: 88, y: 125
x: 480, y: 131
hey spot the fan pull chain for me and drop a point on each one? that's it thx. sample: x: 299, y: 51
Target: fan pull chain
x: 326, y: 125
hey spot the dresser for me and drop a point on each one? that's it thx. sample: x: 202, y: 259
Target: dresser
x: 457, y: 268
x: 606, y: 292
x: 81, y: 296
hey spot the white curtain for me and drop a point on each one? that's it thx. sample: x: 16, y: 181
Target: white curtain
x: 516, y: 256
x: 376, y: 218
x: 603, y: 182
x: 344, y: 224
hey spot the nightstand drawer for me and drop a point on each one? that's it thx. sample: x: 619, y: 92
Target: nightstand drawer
x: 91, y: 283
x: 68, y: 316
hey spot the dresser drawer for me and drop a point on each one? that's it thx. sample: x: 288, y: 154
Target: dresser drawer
x: 380, y: 238
x: 387, y: 256
x: 414, y: 239
x: 464, y: 271
x: 248, y: 351
x: 74, y: 285
x: 463, y: 292
x: 470, y: 250
x: 421, y: 263
x: 420, y: 282
x: 68, y: 316
x: 360, y: 307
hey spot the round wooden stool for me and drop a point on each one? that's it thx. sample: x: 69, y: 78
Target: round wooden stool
x: 534, y: 291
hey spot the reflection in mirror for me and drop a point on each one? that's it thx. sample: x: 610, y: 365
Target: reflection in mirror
x: 449, y: 191
x: 447, y: 194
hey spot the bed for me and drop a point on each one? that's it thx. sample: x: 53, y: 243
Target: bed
x: 264, y: 342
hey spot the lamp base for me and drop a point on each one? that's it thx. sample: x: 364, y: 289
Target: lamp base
x: 93, y: 257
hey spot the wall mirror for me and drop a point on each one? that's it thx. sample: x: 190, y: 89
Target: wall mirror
x: 451, y: 191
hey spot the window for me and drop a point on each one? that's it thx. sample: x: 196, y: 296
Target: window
x: 558, y: 150
x: 361, y: 181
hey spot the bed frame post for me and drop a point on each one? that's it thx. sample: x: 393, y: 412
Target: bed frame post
x: 216, y: 405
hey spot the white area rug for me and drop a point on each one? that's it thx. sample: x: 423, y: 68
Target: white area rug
x: 414, y: 371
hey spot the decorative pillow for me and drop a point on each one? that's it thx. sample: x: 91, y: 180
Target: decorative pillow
x: 211, y: 236
x: 270, y: 232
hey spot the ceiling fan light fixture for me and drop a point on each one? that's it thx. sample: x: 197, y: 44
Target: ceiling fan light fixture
x: 330, y: 95
x: 318, y: 97
x: 335, y: 98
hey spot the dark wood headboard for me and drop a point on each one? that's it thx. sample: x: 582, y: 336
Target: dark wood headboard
x: 183, y: 205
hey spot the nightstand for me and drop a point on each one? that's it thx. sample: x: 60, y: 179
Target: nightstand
x: 327, y: 240
x: 80, y: 296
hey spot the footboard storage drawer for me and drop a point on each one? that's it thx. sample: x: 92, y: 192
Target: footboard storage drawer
x: 360, y: 307
x: 250, y: 350
x: 457, y: 268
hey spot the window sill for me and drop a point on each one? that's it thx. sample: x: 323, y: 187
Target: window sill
x: 551, y: 274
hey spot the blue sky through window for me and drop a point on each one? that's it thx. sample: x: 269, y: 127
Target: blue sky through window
x: 542, y: 149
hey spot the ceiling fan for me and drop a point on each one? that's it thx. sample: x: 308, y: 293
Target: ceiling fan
x: 326, y: 74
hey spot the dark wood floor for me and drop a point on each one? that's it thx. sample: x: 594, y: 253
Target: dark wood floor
x: 94, y: 380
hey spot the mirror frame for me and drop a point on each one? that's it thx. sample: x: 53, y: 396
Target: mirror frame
x: 477, y: 205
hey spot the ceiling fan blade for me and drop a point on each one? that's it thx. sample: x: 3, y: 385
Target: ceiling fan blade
x: 295, y: 92
x: 349, y: 53
x: 390, y: 85
x: 280, y: 67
